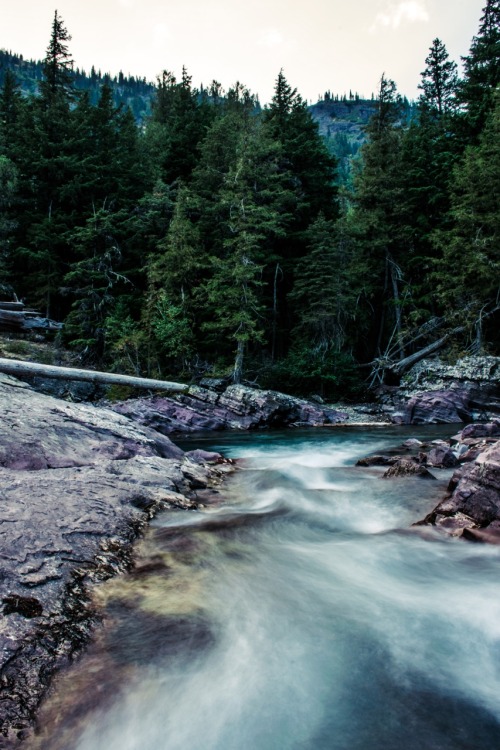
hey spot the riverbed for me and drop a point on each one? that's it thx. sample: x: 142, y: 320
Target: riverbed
x: 303, y: 612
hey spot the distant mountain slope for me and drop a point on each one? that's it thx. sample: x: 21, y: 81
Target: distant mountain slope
x: 136, y: 93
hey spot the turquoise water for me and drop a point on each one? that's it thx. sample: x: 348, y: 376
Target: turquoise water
x: 304, y: 614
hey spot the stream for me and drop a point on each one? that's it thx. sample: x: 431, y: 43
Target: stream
x: 305, y: 613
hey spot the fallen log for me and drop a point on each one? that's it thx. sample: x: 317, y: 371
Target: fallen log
x: 31, y: 369
x: 404, y: 364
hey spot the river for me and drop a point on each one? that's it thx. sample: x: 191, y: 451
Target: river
x: 305, y: 613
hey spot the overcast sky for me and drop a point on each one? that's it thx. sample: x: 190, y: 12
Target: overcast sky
x: 320, y: 44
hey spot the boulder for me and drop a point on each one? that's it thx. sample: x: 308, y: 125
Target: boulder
x: 438, y: 407
x: 404, y: 467
x: 442, y: 457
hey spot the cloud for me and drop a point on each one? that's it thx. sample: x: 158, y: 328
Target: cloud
x: 271, y: 38
x: 396, y: 14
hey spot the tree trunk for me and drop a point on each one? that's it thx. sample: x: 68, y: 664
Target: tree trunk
x: 238, y: 362
x: 17, y: 367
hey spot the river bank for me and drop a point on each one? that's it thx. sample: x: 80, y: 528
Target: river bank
x: 80, y: 483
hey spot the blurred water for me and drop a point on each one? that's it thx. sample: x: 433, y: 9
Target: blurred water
x: 305, y: 614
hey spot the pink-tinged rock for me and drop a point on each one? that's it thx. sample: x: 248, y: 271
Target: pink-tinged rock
x: 438, y: 407
x: 475, y: 492
x: 238, y: 407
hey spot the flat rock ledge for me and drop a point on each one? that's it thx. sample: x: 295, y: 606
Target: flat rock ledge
x: 78, y: 484
x: 471, y: 508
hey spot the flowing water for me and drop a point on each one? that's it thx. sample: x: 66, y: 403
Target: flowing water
x: 303, y: 614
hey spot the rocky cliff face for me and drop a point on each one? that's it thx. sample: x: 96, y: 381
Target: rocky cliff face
x: 77, y: 485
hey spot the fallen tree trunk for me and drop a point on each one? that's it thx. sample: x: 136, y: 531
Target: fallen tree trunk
x: 31, y: 369
x: 404, y: 364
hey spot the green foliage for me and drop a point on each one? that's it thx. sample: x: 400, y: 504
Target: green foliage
x: 306, y: 371
x: 216, y: 234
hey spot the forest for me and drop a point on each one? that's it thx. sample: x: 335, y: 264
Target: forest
x: 214, y: 237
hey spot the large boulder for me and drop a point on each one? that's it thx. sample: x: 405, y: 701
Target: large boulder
x: 238, y: 407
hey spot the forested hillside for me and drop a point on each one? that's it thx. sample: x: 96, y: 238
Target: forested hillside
x: 219, y: 238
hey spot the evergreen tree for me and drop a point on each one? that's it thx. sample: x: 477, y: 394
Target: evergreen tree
x: 482, y: 71
x: 439, y: 80
x: 468, y: 275
x: 375, y: 220
x: 429, y: 150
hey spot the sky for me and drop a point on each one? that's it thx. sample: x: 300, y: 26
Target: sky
x: 336, y: 45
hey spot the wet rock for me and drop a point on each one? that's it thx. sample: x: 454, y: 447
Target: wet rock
x: 442, y: 457
x: 376, y: 461
x: 490, y: 535
x: 404, y: 467
x: 455, y: 525
x: 474, y: 491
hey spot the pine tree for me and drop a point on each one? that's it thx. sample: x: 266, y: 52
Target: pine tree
x: 482, y: 71
x: 375, y: 221
x: 468, y: 275
x: 439, y: 80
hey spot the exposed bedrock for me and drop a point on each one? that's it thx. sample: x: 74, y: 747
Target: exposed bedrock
x: 77, y: 485
x: 238, y: 407
x: 435, y: 393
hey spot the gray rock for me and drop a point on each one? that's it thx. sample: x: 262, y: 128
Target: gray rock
x: 407, y: 467
x: 442, y: 457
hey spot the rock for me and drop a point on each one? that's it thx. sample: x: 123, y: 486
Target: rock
x: 442, y: 457
x: 490, y: 429
x: 438, y: 407
x: 491, y: 535
x: 403, y: 467
x: 455, y: 525
x: 412, y: 443
x: 474, y: 491
x: 376, y: 461
x: 78, y: 483
x: 204, y: 457
x: 433, y: 392
x: 238, y: 407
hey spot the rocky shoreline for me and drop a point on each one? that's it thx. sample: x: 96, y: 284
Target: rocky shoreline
x: 78, y: 485
x: 80, y: 482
